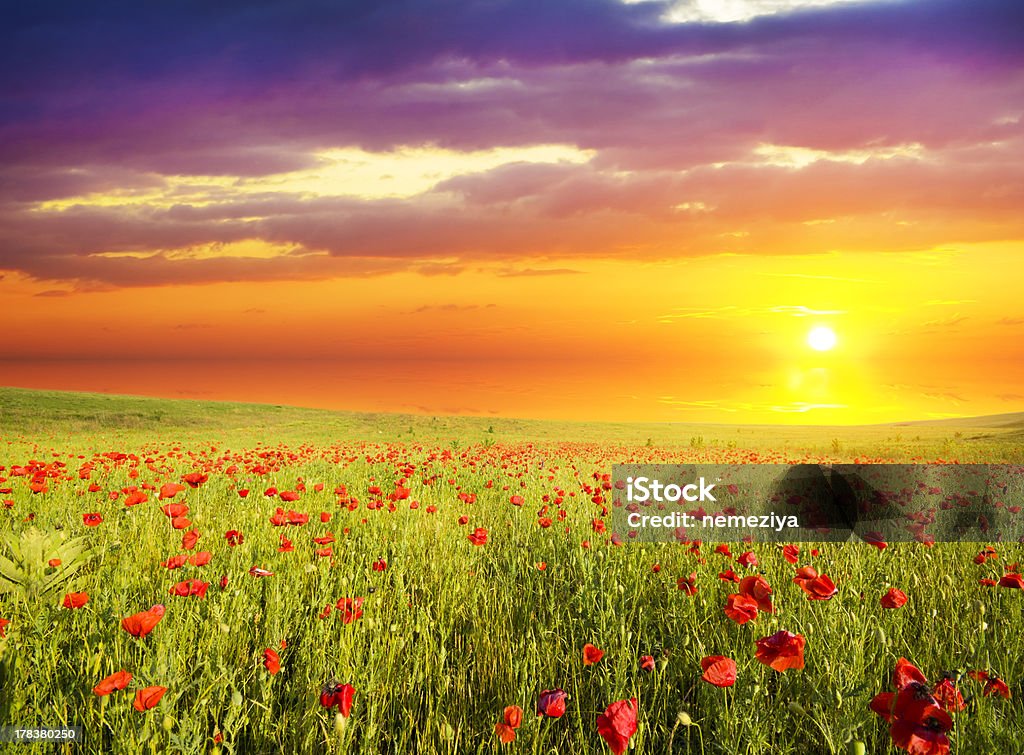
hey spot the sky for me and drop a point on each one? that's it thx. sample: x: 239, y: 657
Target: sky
x: 566, y: 209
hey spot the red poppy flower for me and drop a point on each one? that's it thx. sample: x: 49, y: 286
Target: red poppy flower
x: 618, y: 724
x: 190, y: 587
x: 996, y: 686
x: 782, y: 650
x: 591, y: 654
x: 478, y: 536
x: 195, y: 479
x: 53, y: 563
x: 551, y: 703
x: 135, y: 498
x: 200, y: 559
x: 718, y: 670
x: 148, y: 698
x: 181, y: 523
x: 170, y: 489
x: 791, y: 553
x: 505, y: 733
x: 647, y: 662
x: 75, y: 599
x: 747, y: 559
x: 174, y: 510
x: 740, y: 608
x: 928, y: 738
x: 338, y: 695
x: 757, y: 587
x: 258, y: 572
x: 513, y: 716
x: 3, y: 627
x: 948, y: 695
x: 92, y: 520
x: 917, y: 722
x: 906, y: 673
x: 175, y: 562
x: 817, y: 588
x: 271, y: 661
x: 234, y: 537
x: 350, y: 609
x: 688, y: 584
x: 142, y: 623
x: 117, y: 680
x: 876, y: 539
x: 380, y: 565
x: 189, y: 540
x: 805, y: 573
x: 1012, y: 579
x: 894, y: 598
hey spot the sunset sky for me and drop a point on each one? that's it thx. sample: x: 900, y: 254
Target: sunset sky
x: 577, y: 209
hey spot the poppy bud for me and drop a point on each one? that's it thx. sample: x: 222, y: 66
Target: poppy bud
x: 168, y: 722
x: 683, y: 718
x: 339, y: 724
x: 796, y: 707
x: 855, y: 748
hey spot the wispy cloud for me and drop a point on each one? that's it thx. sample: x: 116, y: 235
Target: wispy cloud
x: 732, y: 311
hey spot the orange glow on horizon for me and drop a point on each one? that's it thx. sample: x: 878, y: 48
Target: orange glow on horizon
x: 713, y: 339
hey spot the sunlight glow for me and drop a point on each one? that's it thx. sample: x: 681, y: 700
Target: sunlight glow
x: 821, y: 338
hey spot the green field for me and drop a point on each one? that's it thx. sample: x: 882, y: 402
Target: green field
x: 452, y: 632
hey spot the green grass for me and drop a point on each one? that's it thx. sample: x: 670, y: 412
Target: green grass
x: 452, y: 633
x: 94, y: 421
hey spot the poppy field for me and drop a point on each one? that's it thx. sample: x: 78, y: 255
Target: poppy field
x: 270, y: 581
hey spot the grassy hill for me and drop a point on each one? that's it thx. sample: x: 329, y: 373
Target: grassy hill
x: 100, y: 419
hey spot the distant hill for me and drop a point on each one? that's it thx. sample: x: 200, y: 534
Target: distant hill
x: 99, y: 419
x: 1011, y: 420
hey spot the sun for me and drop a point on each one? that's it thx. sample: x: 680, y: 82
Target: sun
x: 821, y: 338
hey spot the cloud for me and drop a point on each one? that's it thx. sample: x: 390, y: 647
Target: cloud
x: 532, y: 272
x: 450, y: 307
x: 946, y: 322
x: 732, y: 311
x: 144, y: 130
